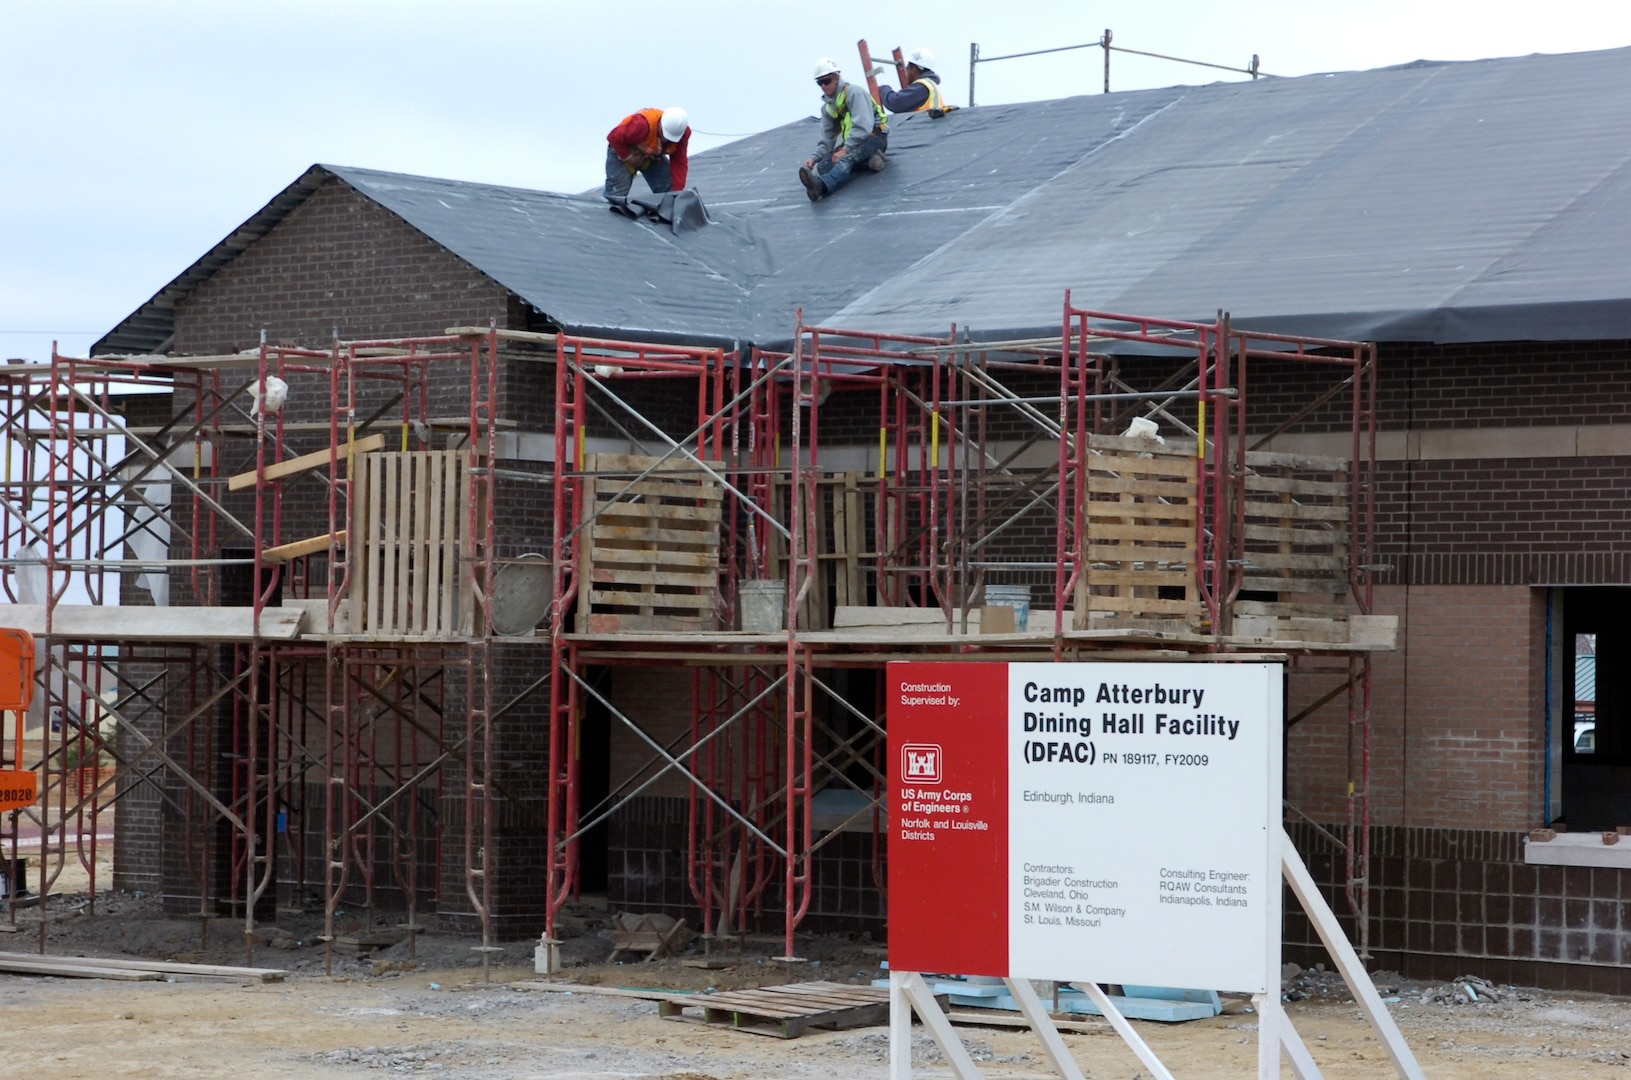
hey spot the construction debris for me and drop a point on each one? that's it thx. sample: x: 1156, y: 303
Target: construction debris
x: 653, y: 934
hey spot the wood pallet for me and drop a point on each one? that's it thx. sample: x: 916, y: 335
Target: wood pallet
x: 651, y: 551
x: 1138, y: 547
x: 411, y: 513
x: 785, y: 1012
x: 1296, y: 547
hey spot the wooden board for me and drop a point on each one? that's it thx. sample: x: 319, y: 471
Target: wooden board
x: 300, y: 548
x: 306, y: 462
x: 45, y: 965
x: 651, y: 560
x: 1138, y: 544
x: 158, y: 967
x: 785, y: 1012
x: 96, y: 622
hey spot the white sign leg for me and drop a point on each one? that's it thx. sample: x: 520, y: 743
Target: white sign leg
x: 1347, y: 961
x: 1030, y: 1006
x: 1125, y: 1030
x: 900, y: 1028
x: 1275, y: 1034
x: 928, y: 1010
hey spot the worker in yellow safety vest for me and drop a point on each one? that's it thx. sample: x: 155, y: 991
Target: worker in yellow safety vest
x: 854, y: 134
x: 920, y: 88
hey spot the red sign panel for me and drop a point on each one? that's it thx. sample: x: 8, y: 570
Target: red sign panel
x: 948, y: 821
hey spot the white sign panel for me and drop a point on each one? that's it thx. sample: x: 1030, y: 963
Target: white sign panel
x: 1144, y: 823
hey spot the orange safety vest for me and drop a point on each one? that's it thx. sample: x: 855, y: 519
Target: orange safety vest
x: 653, y: 144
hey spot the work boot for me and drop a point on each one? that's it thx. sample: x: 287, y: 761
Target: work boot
x: 876, y: 162
x: 812, y: 184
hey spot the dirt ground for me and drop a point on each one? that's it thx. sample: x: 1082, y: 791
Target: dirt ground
x: 433, y: 1013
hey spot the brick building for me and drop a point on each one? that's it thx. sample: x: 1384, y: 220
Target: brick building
x: 1465, y: 217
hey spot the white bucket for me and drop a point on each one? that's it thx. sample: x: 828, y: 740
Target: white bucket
x: 1017, y: 597
x: 763, y: 604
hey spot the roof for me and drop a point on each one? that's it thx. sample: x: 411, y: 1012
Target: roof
x: 1441, y: 202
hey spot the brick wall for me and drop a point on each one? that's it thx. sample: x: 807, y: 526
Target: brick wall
x: 338, y: 263
x: 1457, y: 716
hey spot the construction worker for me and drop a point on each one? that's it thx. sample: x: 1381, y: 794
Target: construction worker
x: 854, y: 134
x: 919, y: 90
x: 651, y: 141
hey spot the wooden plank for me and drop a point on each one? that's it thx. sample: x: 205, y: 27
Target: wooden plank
x: 676, y: 579
x: 44, y: 965
x: 641, y: 513
x: 421, y: 467
x: 301, y: 548
x: 305, y: 462
x: 693, y: 555
x: 1327, y: 536
x: 1298, y: 485
x: 1149, y: 578
x: 1133, y: 444
x: 161, y: 966
x: 373, y: 512
x: 1297, y: 511
x: 1334, y: 565
x: 1181, y: 488
x: 97, y: 622
x: 623, y: 598
x: 1132, y: 512
x: 653, y: 491
x: 1143, y: 605
x: 1269, y: 459
x: 452, y: 535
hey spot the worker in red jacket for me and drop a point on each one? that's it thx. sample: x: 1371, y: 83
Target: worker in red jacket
x: 651, y: 141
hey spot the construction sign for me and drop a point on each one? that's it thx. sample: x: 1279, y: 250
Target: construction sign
x: 1118, y: 822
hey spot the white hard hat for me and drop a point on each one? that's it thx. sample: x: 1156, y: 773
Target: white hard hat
x: 674, y: 123
x: 826, y: 66
x: 922, y: 58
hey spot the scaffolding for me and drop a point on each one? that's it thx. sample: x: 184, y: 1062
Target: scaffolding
x: 998, y: 463
x: 315, y: 700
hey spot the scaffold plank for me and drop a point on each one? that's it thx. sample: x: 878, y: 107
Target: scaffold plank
x: 306, y: 462
x: 97, y: 622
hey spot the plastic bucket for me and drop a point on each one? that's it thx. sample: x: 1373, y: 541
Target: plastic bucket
x: 763, y: 604
x: 1017, y: 597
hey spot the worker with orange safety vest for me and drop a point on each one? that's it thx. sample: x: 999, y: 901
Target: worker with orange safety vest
x: 854, y: 134
x: 653, y: 142
x: 919, y: 88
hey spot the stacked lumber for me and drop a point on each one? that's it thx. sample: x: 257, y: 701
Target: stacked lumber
x: 90, y: 967
x: 1138, y: 536
x: 1296, y: 549
x: 651, y: 557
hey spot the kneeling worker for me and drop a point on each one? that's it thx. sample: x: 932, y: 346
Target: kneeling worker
x: 919, y: 89
x: 854, y: 134
x: 651, y: 141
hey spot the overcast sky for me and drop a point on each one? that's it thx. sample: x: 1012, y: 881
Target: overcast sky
x: 134, y: 136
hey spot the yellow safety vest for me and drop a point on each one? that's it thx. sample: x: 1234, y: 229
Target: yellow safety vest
x: 934, y: 100
x: 838, y: 109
